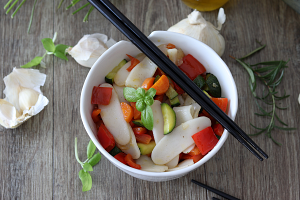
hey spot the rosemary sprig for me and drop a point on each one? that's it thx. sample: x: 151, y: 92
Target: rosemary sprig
x: 11, y: 4
x: 270, y: 74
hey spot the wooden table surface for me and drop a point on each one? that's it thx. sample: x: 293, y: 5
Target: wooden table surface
x: 37, y: 159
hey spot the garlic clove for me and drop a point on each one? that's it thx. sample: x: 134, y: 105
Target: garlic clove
x: 27, y: 98
x: 8, y: 114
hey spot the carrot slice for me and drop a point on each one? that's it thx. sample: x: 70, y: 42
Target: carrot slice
x: 127, y: 111
x: 129, y: 160
x: 198, y: 157
x: 170, y: 46
x: 134, y: 62
x: 162, y: 85
x: 95, y: 115
x: 148, y: 82
x: 194, y: 151
x: 136, y: 113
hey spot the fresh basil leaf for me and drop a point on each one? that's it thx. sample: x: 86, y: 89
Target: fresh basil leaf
x: 147, y: 117
x: 95, y: 159
x: 86, y: 180
x: 91, y: 148
x: 140, y: 93
x: 87, y: 167
x: 148, y: 100
x: 151, y: 92
x: 129, y: 94
x: 61, y: 48
x: 48, y: 44
x: 61, y: 55
x: 34, y: 62
x: 140, y: 105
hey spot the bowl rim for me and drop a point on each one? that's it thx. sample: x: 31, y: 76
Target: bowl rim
x: 154, y: 35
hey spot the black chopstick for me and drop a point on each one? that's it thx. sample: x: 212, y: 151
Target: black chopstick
x: 218, y: 192
x: 147, y: 47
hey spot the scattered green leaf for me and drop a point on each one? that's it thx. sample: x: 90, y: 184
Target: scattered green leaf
x: 87, y: 166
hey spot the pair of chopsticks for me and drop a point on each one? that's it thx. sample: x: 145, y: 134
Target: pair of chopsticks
x: 218, y: 192
x: 153, y: 53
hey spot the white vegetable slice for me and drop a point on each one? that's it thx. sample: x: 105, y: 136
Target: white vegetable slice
x: 173, y: 163
x: 132, y: 147
x: 181, y: 100
x: 190, y: 148
x: 183, y: 114
x: 188, y: 101
x: 183, y: 164
x: 119, y: 91
x: 197, y: 108
x: 122, y: 75
x: 148, y: 165
x: 158, y: 122
x: 113, y: 119
x: 178, y: 140
x: 172, y: 53
x: 140, y: 72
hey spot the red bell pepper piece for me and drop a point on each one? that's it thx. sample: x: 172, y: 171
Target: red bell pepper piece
x: 191, y: 67
x: 177, y: 88
x: 218, y: 129
x: 129, y: 160
x: 159, y: 97
x: 134, y: 62
x: 121, y: 157
x: 101, y: 95
x: 205, y: 140
x: 139, y: 130
x: 221, y: 103
x: 143, y: 138
x: 106, y: 139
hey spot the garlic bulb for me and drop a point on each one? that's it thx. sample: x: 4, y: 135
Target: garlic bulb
x: 197, y: 27
x: 90, y: 48
x: 24, y: 98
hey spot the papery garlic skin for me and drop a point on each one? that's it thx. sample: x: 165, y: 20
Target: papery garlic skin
x: 24, y: 98
x: 197, y: 27
x: 90, y: 48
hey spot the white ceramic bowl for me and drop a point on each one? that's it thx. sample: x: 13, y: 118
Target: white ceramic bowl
x: 212, y: 62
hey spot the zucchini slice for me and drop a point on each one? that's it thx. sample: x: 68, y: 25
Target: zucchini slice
x: 146, y: 148
x: 213, y: 86
x: 175, y: 102
x: 171, y: 93
x: 169, y: 117
x: 199, y: 81
x: 115, y: 151
x: 109, y: 78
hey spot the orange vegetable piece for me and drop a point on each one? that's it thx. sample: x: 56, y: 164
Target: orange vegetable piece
x: 136, y: 113
x: 143, y: 138
x: 194, y: 151
x: 134, y: 62
x: 148, y: 82
x: 139, y: 130
x: 198, y: 157
x: 129, y: 160
x: 170, y: 46
x: 162, y: 85
x: 127, y: 111
x: 95, y: 115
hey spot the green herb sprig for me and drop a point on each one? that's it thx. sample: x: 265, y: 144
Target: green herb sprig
x: 11, y: 4
x: 87, y: 165
x: 58, y: 50
x: 270, y: 73
x: 143, y: 100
